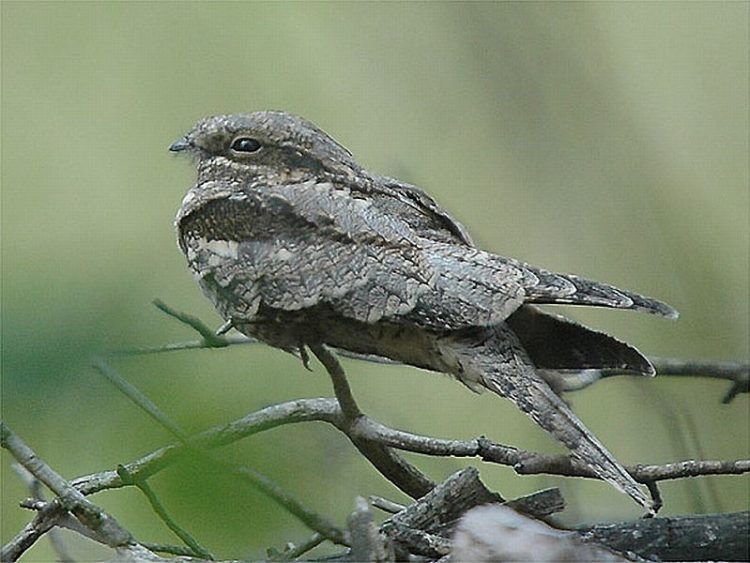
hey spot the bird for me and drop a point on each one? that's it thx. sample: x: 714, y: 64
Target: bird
x: 296, y: 244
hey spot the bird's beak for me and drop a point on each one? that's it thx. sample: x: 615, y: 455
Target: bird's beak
x: 180, y: 144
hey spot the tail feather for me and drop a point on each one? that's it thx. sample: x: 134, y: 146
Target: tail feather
x: 496, y: 361
x: 557, y: 343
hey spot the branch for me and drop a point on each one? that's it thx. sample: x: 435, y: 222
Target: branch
x: 327, y: 410
x: 292, y: 412
x: 341, y: 387
x: 736, y: 372
x: 37, y: 495
x: 210, y: 337
x: 160, y: 510
x: 715, y: 537
x: 376, y: 441
x: 69, y: 499
x: 527, y: 463
x: 45, y: 519
x: 430, y: 527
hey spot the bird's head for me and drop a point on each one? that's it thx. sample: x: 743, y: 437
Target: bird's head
x: 264, y: 145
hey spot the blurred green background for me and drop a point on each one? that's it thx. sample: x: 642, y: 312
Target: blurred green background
x: 607, y: 139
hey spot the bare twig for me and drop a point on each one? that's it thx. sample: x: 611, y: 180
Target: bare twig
x: 209, y: 335
x: 132, y: 392
x: 385, y: 504
x: 736, y: 372
x: 376, y: 441
x: 35, y: 487
x: 328, y: 410
x: 310, y: 518
x: 161, y: 512
x: 45, y: 519
x: 229, y: 340
x: 292, y: 412
x: 655, y: 493
x: 298, y: 550
x: 90, y: 515
x: 171, y: 549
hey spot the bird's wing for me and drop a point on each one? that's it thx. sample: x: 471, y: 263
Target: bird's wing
x: 544, y: 287
x: 441, y: 225
x: 302, y: 245
x: 478, y: 288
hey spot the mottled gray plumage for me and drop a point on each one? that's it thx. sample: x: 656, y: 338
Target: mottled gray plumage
x: 295, y: 243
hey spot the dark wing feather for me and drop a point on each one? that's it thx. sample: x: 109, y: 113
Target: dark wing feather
x: 544, y: 287
x: 557, y: 343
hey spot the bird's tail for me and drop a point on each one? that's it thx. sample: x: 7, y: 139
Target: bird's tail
x: 494, y: 359
x: 556, y: 343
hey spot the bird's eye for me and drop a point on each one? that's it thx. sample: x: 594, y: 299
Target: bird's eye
x: 245, y: 144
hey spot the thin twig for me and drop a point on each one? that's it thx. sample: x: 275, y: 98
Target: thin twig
x: 328, y: 410
x: 717, y: 369
x: 132, y: 392
x: 386, y: 505
x: 171, y: 549
x: 45, y: 519
x: 35, y: 487
x: 297, y: 551
x: 655, y: 493
x: 736, y: 372
x: 310, y: 518
x: 208, y: 334
x: 291, y: 412
x: 161, y: 512
x: 229, y: 340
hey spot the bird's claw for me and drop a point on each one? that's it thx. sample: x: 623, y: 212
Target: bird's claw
x: 226, y: 327
x: 305, y: 357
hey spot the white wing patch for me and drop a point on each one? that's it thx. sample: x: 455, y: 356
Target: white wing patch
x: 206, y: 254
